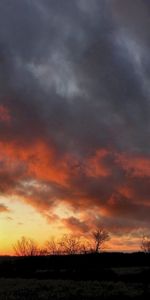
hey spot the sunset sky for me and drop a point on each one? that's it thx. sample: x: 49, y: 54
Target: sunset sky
x: 74, y: 120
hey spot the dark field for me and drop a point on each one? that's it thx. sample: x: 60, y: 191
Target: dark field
x: 103, y: 276
x: 14, y: 289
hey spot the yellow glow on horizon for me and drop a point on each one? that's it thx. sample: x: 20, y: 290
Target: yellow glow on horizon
x: 23, y: 220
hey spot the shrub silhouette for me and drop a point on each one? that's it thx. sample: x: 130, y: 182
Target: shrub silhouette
x: 26, y: 247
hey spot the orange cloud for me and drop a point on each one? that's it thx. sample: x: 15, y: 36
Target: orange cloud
x: 111, y: 186
x: 39, y: 160
x: 135, y: 165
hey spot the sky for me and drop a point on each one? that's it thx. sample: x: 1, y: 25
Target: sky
x: 74, y: 120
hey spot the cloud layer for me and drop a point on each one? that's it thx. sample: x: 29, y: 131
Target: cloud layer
x: 74, y: 110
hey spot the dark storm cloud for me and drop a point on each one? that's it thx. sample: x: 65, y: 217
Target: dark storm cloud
x: 63, y: 68
x: 75, y: 75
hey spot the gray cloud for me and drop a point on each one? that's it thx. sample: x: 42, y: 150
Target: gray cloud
x: 70, y: 63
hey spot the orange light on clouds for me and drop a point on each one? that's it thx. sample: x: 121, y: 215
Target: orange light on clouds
x: 38, y: 159
x: 137, y: 166
x: 35, y: 167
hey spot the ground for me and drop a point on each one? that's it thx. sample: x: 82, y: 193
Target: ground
x: 33, y: 289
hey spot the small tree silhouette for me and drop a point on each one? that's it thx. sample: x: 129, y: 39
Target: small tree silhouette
x: 26, y: 247
x: 100, y: 236
x: 69, y: 244
x: 145, y: 244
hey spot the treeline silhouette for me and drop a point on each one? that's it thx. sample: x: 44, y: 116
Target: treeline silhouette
x: 67, y: 244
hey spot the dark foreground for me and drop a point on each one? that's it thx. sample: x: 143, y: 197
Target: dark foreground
x: 92, y: 277
x: 22, y: 289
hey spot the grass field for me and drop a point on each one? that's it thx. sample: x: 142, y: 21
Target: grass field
x: 33, y: 289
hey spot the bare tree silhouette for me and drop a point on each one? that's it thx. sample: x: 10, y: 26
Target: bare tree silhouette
x: 145, y: 244
x: 70, y: 244
x: 100, y: 236
x: 26, y: 247
x: 53, y: 247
